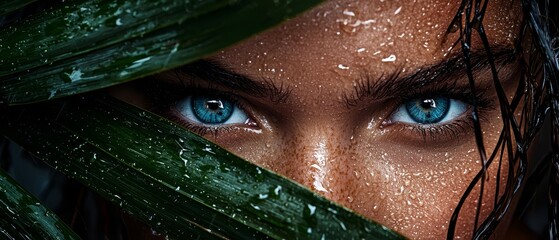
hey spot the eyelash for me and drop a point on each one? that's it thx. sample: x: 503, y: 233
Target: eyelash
x: 174, y: 92
x: 448, y: 129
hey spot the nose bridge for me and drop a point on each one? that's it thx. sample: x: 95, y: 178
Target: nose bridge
x: 317, y: 158
x: 319, y: 162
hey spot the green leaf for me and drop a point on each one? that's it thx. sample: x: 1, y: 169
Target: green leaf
x: 89, y: 45
x: 176, y: 181
x: 23, y: 217
x: 8, y: 6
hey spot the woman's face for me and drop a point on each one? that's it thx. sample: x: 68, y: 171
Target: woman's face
x: 364, y: 102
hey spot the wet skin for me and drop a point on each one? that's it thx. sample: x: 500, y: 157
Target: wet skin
x: 323, y: 96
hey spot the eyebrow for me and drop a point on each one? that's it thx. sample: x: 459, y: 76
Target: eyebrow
x: 448, y: 71
x: 214, y: 73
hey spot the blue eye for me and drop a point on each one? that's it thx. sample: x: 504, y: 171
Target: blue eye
x: 213, y: 111
x: 429, y: 110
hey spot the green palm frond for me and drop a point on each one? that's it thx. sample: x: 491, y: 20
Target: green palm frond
x: 9, y: 6
x: 87, y: 45
x: 23, y: 217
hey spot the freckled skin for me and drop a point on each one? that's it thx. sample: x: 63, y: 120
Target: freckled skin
x: 386, y: 173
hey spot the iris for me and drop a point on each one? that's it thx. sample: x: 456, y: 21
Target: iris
x: 428, y: 110
x: 212, y: 110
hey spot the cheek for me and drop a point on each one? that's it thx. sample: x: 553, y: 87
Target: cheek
x: 416, y: 190
x: 413, y: 190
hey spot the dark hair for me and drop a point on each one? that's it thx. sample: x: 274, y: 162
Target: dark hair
x: 536, y: 98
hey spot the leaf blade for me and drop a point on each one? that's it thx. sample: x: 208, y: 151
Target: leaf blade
x: 9, y: 6
x: 61, y: 65
x: 23, y: 217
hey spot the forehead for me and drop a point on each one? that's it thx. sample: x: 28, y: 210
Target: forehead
x: 339, y: 41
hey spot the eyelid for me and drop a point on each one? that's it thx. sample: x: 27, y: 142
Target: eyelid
x: 448, y: 73
x: 443, y: 134
x: 463, y: 93
x: 164, y: 95
x: 455, y: 108
x: 212, y: 71
x: 445, y: 131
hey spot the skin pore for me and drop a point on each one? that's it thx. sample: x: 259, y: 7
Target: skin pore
x: 322, y: 100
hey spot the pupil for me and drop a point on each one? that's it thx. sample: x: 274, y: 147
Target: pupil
x: 211, y: 110
x: 428, y: 104
x: 214, y: 105
x: 428, y: 110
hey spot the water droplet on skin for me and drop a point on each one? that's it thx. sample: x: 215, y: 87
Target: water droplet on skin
x: 351, y: 23
x: 390, y: 58
x: 348, y: 12
x: 343, y: 67
x: 398, y: 10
